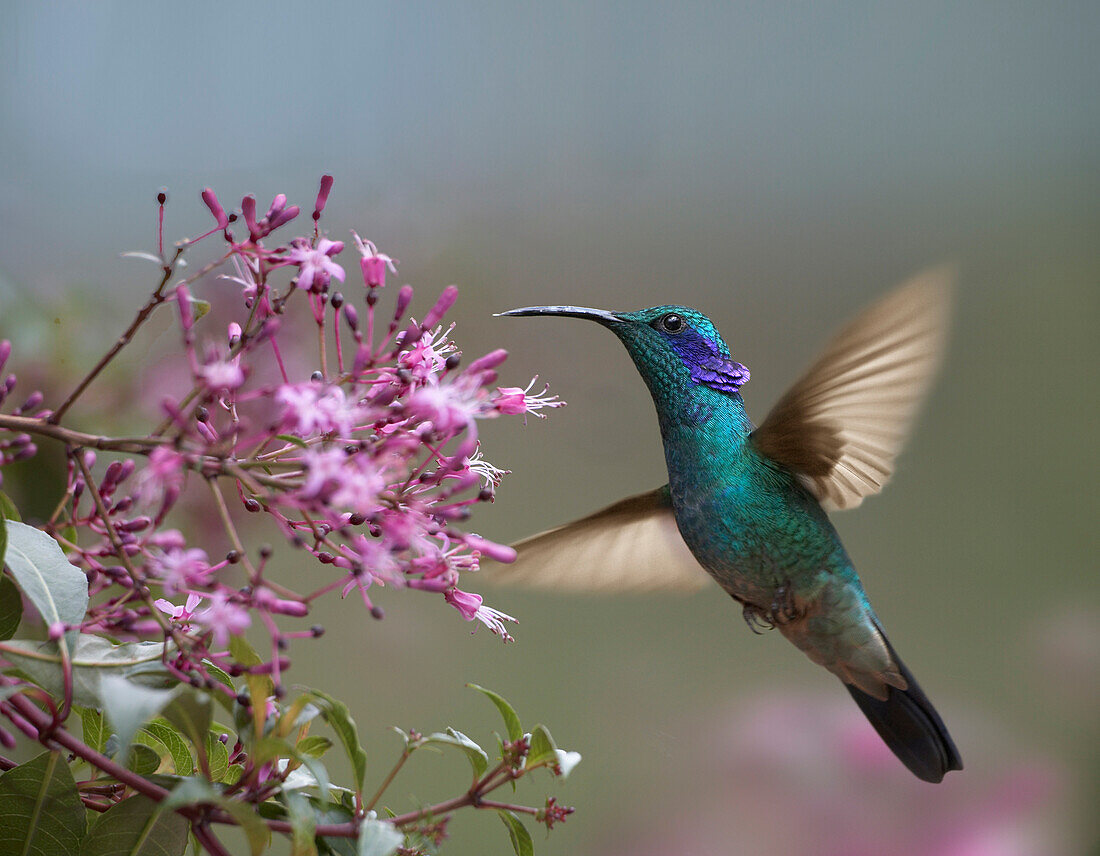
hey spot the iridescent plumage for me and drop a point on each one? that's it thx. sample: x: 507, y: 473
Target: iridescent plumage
x: 745, y: 504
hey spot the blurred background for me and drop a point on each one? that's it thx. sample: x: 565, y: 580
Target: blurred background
x: 777, y: 166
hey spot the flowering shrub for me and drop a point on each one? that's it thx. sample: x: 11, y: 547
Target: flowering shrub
x: 367, y: 461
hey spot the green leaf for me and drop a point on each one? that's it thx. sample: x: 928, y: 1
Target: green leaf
x: 128, y: 706
x: 8, y: 510
x: 137, y: 827
x: 93, y: 658
x: 314, y: 745
x: 91, y: 721
x: 517, y: 832
x: 11, y: 604
x: 242, y: 652
x: 476, y: 755
x: 378, y: 838
x: 143, y: 760
x: 511, y: 719
x: 226, y: 701
x: 3, y: 538
x: 69, y: 534
x: 57, y: 588
x: 338, y: 717
x: 192, y: 714
x: 329, y: 813
x: 173, y: 743
x: 198, y: 791
x: 303, y: 825
x: 42, y: 812
x: 543, y: 749
x: 217, y: 757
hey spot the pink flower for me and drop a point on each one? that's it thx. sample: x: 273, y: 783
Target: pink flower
x: 489, y: 474
x: 450, y: 407
x: 222, y: 374
x: 311, y: 409
x: 183, y: 614
x: 377, y: 559
x: 428, y: 355
x: 224, y: 617
x: 471, y: 607
x: 346, y: 482
x: 467, y: 603
x: 315, y: 265
x: 373, y: 263
x: 247, y: 271
x: 179, y: 569
x: 163, y: 475
x: 511, y: 400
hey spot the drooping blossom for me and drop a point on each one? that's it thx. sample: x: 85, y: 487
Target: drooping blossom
x: 512, y: 400
x: 471, y: 607
x: 373, y: 263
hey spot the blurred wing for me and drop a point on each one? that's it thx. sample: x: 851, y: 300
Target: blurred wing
x: 631, y: 545
x: 842, y: 424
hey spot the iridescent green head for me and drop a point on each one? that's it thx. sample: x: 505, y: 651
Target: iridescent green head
x: 663, y: 339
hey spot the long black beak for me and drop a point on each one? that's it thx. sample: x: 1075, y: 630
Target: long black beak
x: 600, y: 316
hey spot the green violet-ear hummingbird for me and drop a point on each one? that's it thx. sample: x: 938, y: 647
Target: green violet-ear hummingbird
x: 747, y: 504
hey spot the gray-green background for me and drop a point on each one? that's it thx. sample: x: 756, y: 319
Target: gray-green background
x: 776, y: 165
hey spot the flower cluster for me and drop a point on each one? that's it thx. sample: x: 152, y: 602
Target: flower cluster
x: 362, y: 455
x: 368, y: 460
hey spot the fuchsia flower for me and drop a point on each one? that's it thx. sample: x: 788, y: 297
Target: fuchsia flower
x: 512, y: 400
x: 365, y: 458
x: 222, y: 374
x: 336, y: 479
x: 451, y: 408
x: 184, y: 613
x: 311, y: 409
x: 373, y: 263
x: 180, y: 569
x: 315, y: 265
x: 163, y: 476
x: 471, y: 607
x: 224, y: 617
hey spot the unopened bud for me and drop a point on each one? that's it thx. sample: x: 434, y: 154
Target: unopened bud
x: 490, y: 361
x: 215, y: 207
x: 442, y: 306
x: 322, y: 196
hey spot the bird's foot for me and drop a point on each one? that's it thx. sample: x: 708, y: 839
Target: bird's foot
x: 758, y: 619
x: 784, y: 610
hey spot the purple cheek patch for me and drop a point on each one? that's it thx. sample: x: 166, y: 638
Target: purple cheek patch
x: 706, y: 362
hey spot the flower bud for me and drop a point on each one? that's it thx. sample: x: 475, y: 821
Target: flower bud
x: 215, y: 208
x: 322, y: 196
x: 442, y: 306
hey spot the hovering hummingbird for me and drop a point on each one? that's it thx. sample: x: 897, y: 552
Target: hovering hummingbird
x: 747, y: 504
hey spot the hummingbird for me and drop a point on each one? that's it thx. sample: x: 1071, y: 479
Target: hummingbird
x: 745, y: 505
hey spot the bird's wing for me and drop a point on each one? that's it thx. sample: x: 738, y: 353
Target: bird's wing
x: 841, y: 425
x: 631, y: 545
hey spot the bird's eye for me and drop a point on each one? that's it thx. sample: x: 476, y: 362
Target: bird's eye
x: 672, y: 323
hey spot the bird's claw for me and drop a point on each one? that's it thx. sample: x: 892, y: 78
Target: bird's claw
x: 782, y: 610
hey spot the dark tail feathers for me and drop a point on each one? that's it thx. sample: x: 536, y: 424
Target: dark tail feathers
x: 910, y: 726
